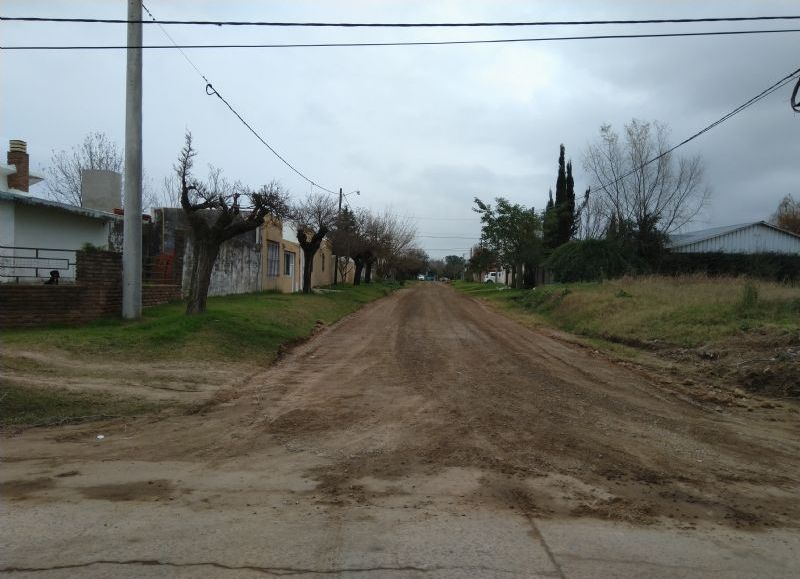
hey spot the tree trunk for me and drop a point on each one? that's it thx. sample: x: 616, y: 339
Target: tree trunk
x: 357, y: 274
x: 368, y: 272
x: 203, y: 257
x: 308, y: 266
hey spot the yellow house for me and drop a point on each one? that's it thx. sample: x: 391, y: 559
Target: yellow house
x: 323, y: 267
x: 282, y: 261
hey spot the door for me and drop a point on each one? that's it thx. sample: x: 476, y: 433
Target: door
x: 288, y: 269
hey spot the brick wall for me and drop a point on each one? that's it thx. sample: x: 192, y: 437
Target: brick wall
x: 152, y: 295
x: 97, y: 293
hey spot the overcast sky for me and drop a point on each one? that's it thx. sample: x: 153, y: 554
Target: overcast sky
x: 424, y: 129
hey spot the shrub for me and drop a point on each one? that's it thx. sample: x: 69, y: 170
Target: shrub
x: 591, y: 260
x: 769, y: 266
x: 749, y: 296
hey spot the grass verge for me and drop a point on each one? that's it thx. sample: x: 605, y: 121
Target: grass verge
x: 732, y: 332
x: 247, y: 327
x: 246, y: 331
x: 34, y: 406
x: 689, y: 311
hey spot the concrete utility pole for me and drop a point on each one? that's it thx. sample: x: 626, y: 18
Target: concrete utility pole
x: 132, y: 234
x: 336, y: 257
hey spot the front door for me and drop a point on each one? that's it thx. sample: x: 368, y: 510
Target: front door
x: 288, y: 269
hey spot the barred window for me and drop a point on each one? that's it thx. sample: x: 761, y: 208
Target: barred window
x: 273, y: 259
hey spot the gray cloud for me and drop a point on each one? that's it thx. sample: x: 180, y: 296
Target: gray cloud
x: 423, y: 130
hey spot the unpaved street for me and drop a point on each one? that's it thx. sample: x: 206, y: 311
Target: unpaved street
x: 424, y: 436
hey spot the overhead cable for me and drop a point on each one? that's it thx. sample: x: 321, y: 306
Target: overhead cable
x: 750, y: 102
x: 400, y: 24
x: 409, y: 43
x: 211, y: 91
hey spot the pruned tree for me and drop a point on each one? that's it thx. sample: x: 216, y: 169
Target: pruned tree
x: 640, y: 182
x: 63, y: 174
x: 313, y: 219
x: 215, y: 214
x: 787, y: 216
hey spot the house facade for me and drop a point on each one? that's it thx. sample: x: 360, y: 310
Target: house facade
x: 756, y: 237
x: 39, y: 235
x: 283, y: 260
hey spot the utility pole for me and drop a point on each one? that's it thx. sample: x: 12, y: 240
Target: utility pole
x: 335, y: 256
x: 132, y: 232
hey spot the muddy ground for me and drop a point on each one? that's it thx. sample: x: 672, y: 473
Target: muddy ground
x: 430, y: 385
x: 429, y: 379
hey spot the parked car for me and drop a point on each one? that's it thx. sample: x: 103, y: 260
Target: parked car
x: 421, y: 277
x: 491, y: 277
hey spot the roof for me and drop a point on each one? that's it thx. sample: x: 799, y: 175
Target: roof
x: 46, y: 203
x: 683, y: 239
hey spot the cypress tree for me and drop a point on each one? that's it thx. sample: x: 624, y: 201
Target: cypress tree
x: 567, y: 210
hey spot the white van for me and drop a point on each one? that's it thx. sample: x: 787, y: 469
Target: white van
x: 494, y: 277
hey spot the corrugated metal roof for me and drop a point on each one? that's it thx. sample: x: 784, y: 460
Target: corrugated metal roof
x: 683, y: 239
x: 39, y: 202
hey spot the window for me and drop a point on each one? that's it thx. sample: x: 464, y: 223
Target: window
x: 288, y: 263
x: 323, y: 261
x: 273, y: 259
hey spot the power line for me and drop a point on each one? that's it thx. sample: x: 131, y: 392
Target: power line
x: 410, y: 43
x: 211, y: 91
x: 440, y: 218
x: 399, y: 24
x: 167, y: 34
x: 448, y: 237
x: 750, y: 102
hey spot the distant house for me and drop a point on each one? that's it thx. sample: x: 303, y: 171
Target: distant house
x: 757, y: 237
x: 284, y: 261
x: 39, y: 235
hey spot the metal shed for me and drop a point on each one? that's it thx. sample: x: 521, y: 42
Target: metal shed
x: 757, y: 237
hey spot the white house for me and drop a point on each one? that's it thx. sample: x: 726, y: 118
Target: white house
x: 757, y: 237
x: 39, y: 235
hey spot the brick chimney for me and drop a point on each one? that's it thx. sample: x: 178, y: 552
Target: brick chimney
x: 18, y: 156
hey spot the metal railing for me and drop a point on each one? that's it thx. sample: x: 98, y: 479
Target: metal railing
x: 33, y: 264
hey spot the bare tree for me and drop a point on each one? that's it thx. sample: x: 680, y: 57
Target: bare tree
x: 788, y: 215
x: 215, y: 215
x: 313, y: 218
x: 397, y: 238
x: 594, y: 218
x: 96, y: 151
x: 667, y: 192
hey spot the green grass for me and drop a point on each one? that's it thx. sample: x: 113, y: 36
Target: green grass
x: 26, y: 405
x: 249, y: 327
x: 686, y: 311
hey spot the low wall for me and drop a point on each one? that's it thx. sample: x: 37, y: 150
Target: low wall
x: 97, y: 293
x: 236, y: 271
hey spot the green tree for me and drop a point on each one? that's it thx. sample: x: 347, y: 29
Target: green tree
x: 481, y: 261
x: 514, y: 233
x: 560, y: 217
x: 454, y: 266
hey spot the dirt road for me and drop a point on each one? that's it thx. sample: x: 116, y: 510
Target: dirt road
x: 425, y: 435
